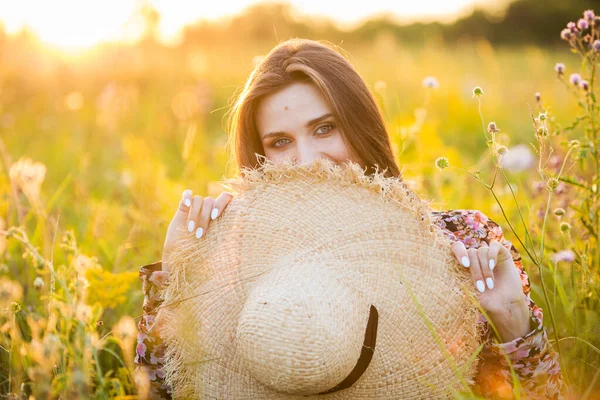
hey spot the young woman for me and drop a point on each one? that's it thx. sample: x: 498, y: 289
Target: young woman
x: 306, y: 101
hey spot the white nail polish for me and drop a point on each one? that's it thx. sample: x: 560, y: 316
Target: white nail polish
x: 191, y: 226
x: 465, y: 261
x: 214, y: 213
x: 480, y: 286
x: 199, y: 233
x: 492, y: 264
x: 187, y: 202
x: 490, y: 283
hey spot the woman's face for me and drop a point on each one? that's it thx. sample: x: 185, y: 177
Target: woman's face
x: 297, y: 124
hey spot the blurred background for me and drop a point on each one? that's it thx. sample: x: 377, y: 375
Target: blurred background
x: 113, y: 108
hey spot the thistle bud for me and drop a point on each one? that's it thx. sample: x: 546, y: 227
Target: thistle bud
x: 552, y: 184
x: 596, y: 45
x: 559, y: 212
x: 442, y: 163
x: 538, y: 96
x: 566, y: 34
x: 575, y: 79
x: 583, y: 24
x: 492, y: 128
x: 565, y: 226
x: 584, y: 85
x: 559, y: 68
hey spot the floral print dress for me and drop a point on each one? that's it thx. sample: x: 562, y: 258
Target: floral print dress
x: 532, y: 358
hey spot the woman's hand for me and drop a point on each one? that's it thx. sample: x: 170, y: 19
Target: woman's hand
x: 497, y: 279
x: 194, y: 213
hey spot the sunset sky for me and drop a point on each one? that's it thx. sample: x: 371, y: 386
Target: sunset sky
x: 83, y: 23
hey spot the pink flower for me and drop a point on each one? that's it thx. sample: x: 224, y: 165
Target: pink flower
x: 559, y: 68
x: 140, y: 349
x: 575, y: 79
x: 589, y: 15
x: 564, y: 255
x: 583, y: 24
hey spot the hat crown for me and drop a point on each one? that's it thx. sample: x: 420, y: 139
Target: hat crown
x: 302, y: 327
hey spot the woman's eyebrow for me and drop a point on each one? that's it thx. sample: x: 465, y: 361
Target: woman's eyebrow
x: 308, y: 124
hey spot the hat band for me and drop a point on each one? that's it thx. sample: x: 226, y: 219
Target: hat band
x: 366, y: 354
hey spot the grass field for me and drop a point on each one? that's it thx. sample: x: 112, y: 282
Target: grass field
x: 120, y: 132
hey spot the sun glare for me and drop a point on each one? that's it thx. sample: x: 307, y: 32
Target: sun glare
x: 76, y: 24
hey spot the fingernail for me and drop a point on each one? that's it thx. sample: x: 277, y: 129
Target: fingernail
x: 480, y: 286
x: 191, y: 226
x: 214, y: 213
x: 490, y: 283
x: 465, y: 261
x: 492, y: 264
x: 186, y: 191
x: 187, y: 202
x: 199, y: 233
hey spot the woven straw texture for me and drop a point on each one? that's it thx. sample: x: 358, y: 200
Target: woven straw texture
x: 274, y: 301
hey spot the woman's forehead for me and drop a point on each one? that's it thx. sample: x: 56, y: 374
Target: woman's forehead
x: 291, y: 108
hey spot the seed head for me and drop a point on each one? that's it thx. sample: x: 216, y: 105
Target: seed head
x: 559, y: 68
x: 430, y: 82
x: 574, y: 143
x: 565, y: 226
x: 583, y: 24
x: 589, y: 15
x: 38, y: 283
x: 492, y: 128
x: 575, y: 79
x: 584, y: 85
x: 477, y: 92
x: 442, y: 163
x: 559, y: 212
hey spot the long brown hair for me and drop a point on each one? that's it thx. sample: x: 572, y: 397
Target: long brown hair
x: 354, y: 107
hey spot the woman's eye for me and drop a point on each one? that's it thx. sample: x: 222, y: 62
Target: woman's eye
x: 327, y: 126
x: 275, y: 144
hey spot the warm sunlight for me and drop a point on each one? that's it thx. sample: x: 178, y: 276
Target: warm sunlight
x: 76, y: 24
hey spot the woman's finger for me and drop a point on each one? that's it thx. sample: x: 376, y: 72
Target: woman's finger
x: 193, y: 219
x: 460, y: 252
x: 476, y: 273
x: 493, y: 254
x: 488, y: 276
x: 220, y: 204
x: 204, y: 218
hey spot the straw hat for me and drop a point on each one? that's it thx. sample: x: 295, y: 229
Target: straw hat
x: 318, y: 281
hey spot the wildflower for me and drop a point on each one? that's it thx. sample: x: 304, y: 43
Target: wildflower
x: 589, y: 15
x: 559, y: 68
x: 566, y: 34
x: 573, y: 143
x: 538, y: 96
x: 572, y: 26
x: 565, y: 226
x: 477, y: 92
x: 29, y: 176
x: 542, y: 116
x: 559, y: 212
x: 492, y: 128
x: 575, y: 79
x: 517, y: 158
x: 430, y: 82
x: 583, y: 24
x: 442, y: 163
x: 552, y: 184
x: 584, y: 85
x: 38, y: 283
x: 564, y: 255
x: 596, y: 45
x: 502, y: 149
